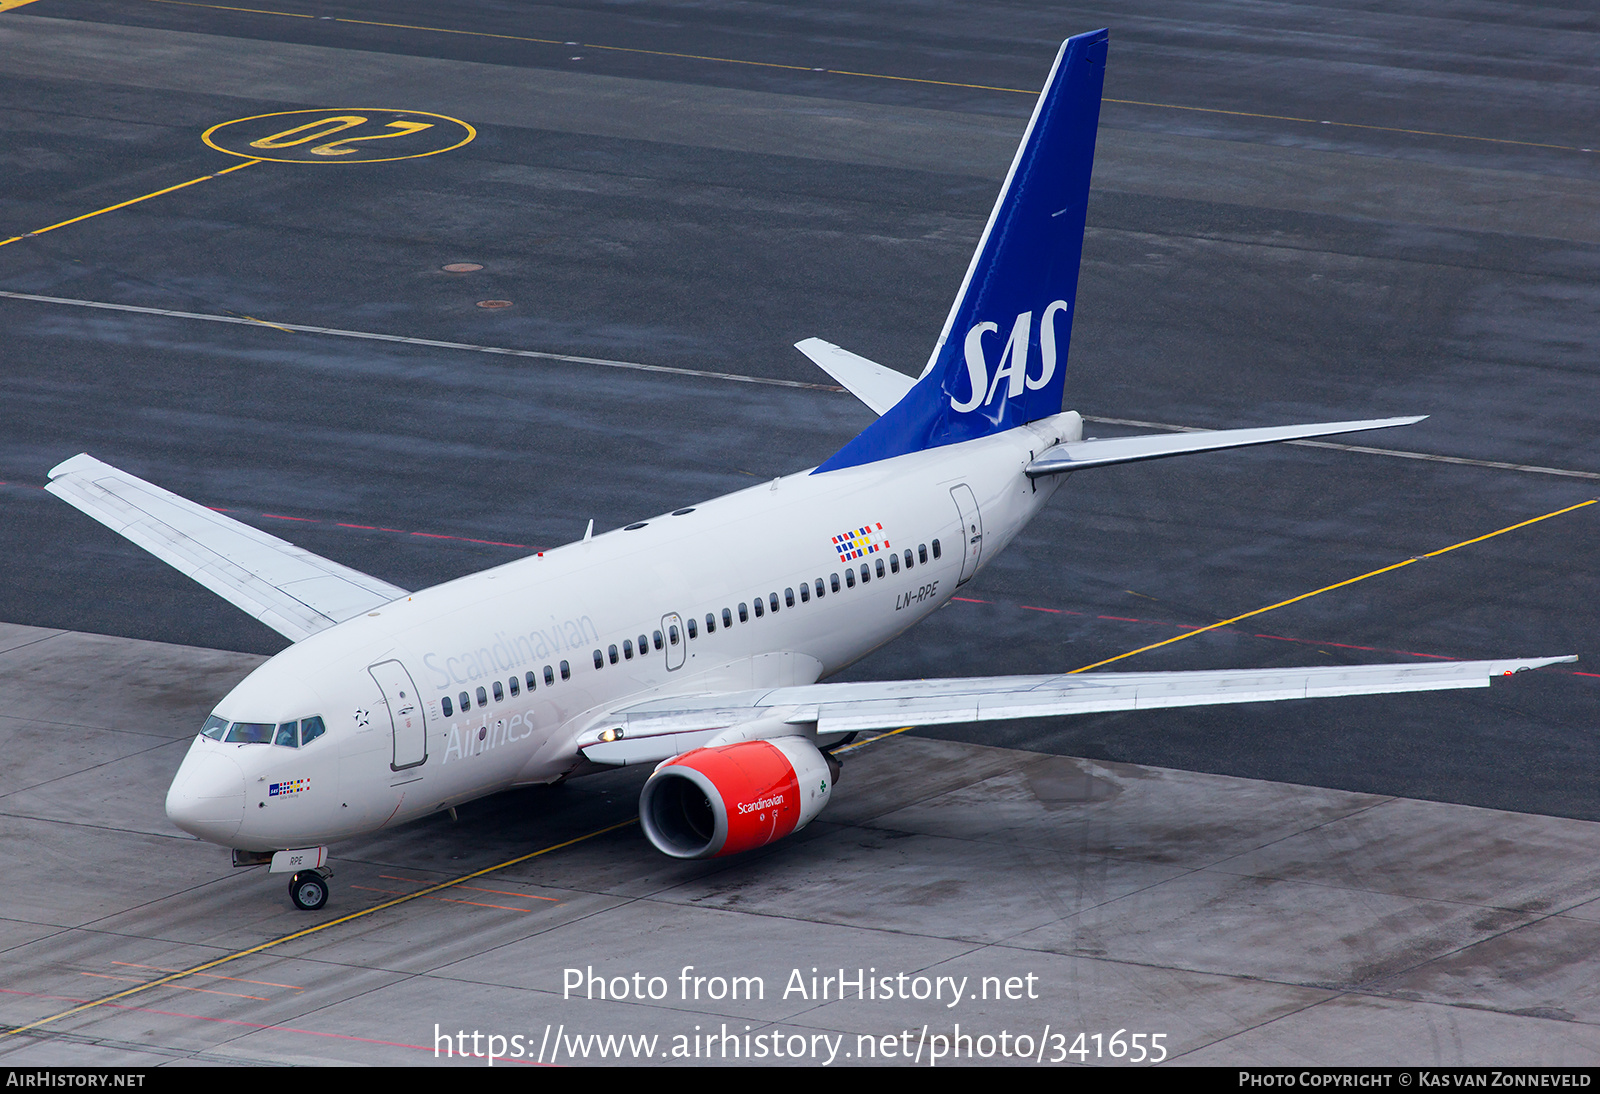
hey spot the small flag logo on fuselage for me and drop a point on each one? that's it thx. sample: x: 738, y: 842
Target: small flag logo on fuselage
x: 863, y: 541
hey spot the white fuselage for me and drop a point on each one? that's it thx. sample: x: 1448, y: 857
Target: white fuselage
x: 391, y: 753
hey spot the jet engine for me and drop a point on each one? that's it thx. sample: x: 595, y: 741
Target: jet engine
x: 735, y: 797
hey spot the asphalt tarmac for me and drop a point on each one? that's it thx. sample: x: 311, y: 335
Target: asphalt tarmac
x: 1299, y: 214
x: 955, y: 904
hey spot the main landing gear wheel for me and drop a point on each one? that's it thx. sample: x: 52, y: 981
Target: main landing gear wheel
x: 308, y: 890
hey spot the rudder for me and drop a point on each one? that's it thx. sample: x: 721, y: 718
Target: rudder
x: 1000, y: 360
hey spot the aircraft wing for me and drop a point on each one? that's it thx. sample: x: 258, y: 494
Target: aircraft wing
x: 661, y: 728
x: 291, y: 590
x: 879, y: 387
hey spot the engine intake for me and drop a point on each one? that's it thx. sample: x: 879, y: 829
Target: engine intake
x: 732, y: 798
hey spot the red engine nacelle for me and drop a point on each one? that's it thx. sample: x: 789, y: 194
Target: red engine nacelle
x: 732, y: 798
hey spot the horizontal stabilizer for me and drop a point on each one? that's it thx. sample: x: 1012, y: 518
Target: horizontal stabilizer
x: 879, y: 387
x: 1077, y: 455
x: 291, y: 590
x: 661, y: 728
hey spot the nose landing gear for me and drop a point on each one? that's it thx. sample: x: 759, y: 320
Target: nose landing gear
x: 309, y: 890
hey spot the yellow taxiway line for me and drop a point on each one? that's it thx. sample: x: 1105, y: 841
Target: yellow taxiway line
x: 1339, y: 585
x: 130, y: 201
x: 197, y: 969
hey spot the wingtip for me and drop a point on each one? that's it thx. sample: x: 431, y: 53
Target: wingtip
x: 76, y: 463
x: 1510, y: 667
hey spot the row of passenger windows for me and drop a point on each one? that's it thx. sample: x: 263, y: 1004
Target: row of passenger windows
x: 465, y: 698
x: 288, y: 734
x: 882, y: 566
x: 627, y: 648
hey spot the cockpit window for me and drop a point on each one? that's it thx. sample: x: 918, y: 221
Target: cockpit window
x: 288, y: 734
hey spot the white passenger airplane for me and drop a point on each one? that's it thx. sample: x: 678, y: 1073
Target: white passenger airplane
x: 695, y: 639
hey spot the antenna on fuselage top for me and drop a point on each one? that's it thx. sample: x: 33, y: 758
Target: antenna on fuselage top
x: 588, y: 533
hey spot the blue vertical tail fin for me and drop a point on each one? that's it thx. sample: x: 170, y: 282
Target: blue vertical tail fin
x: 1000, y: 361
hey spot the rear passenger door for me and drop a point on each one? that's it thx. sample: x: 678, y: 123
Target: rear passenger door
x: 971, y: 531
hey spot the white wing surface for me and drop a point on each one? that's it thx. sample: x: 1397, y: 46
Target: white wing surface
x: 879, y: 387
x: 291, y: 590
x: 661, y: 728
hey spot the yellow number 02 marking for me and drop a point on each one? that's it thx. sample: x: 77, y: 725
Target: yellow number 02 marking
x: 281, y: 140
x: 314, y: 136
x: 332, y: 147
x: 340, y: 124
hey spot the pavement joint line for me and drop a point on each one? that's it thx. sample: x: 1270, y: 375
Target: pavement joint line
x: 161, y: 742
x: 130, y: 201
x: 431, y: 343
x: 32, y: 641
x: 1190, y: 871
x: 1348, y: 125
x: 198, y: 1055
x: 94, y: 826
x: 315, y: 929
x: 1369, y: 989
x: 1338, y: 585
x: 1218, y: 865
x: 203, y: 1054
x: 81, y: 771
x: 1334, y: 995
x: 636, y: 366
x: 881, y: 76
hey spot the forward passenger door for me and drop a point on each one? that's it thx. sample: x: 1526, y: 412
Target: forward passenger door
x: 406, y: 718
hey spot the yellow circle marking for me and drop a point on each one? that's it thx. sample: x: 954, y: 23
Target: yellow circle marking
x: 338, y: 136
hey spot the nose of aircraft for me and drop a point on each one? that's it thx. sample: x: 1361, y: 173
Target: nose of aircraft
x: 207, y: 795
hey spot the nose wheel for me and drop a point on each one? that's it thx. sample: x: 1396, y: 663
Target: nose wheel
x: 309, y: 890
